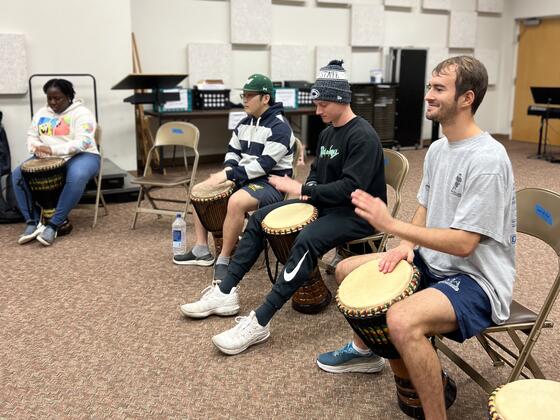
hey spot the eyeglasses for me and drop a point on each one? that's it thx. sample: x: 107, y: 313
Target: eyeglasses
x: 248, y: 96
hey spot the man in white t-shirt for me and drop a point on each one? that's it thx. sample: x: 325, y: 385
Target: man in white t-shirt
x: 461, y: 238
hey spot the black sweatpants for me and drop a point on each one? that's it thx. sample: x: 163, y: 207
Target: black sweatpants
x: 334, y: 226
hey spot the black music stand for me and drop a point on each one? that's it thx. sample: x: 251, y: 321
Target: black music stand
x: 155, y: 82
x: 547, y: 96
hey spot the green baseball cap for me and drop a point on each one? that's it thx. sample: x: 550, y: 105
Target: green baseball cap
x: 259, y: 83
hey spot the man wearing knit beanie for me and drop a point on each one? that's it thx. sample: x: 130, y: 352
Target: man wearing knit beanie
x: 332, y: 84
x: 349, y: 157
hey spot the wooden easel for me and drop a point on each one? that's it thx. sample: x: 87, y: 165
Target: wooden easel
x: 144, y: 138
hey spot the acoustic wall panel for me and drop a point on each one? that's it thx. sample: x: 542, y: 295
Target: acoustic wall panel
x: 209, y: 61
x: 333, y: 1
x: 291, y: 62
x: 250, y: 21
x: 436, y: 4
x: 435, y: 56
x: 13, y: 64
x: 462, y: 30
x: 398, y: 3
x: 490, y: 6
x: 367, y: 25
x: 491, y: 60
x: 324, y: 54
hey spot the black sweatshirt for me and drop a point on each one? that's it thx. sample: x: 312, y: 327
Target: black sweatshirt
x: 348, y: 158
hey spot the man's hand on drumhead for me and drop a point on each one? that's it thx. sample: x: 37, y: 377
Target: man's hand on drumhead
x: 391, y: 258
x: 285, y: 184
x: 372, y: 209
x: 217, y: 178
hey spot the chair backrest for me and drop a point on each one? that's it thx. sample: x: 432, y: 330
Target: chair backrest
x: 538, y: 215
x: 396, y: 169
x: 178, y: 133
x: 97, y: 135
x: 298, y: 147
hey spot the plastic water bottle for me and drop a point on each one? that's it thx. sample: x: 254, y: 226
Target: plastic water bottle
x: 179, y: 235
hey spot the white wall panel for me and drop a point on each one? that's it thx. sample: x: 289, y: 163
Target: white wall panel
x: 250, y: 21
x: 367, y: 25
x: 13, y: 64
x: 291, y: 62
x: 209, y: 61
x: 462, y: 30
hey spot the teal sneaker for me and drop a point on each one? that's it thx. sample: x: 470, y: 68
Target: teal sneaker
x: 346, y: 359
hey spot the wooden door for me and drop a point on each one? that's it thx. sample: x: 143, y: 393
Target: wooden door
x: 538, y: 64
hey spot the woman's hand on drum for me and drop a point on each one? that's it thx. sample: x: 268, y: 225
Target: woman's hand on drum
x: 391, y: 258
x: 372, y: 209
x: 285, y: 184
x: 42, y: 151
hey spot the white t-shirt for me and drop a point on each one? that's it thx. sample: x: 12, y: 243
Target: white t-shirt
x: 469, y: 185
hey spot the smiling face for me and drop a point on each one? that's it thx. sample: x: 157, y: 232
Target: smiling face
x: 441, y: 103
x: 57, y: 100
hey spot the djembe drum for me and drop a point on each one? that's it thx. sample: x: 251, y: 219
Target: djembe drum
x: 525, y: 399
x: 210, y: 203
x: 282, y: 225
x: 364, y: 297
x: 46, y: 178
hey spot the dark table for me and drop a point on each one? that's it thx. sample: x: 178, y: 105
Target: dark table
x: 294, y: 115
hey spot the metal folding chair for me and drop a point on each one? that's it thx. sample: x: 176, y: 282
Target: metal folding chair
x: 181, y: 134
x: 99, y: 198
x: 538, y: 215
x: 396, y: 169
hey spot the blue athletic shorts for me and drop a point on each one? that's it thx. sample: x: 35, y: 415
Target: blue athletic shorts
x: 470, y: 303
x: 263, y: 192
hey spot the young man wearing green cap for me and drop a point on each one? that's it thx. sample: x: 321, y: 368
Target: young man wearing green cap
x: 261, y: 145
x: 349, y: 157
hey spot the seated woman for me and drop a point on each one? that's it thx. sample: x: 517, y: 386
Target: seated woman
x: 64, y: 128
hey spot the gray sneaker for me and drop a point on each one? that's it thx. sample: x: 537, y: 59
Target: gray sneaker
x: 220, y: 271
x: 31, y: 232
x: 190, y: 259
x: 48, y: 236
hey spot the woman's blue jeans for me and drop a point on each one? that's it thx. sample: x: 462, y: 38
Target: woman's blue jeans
x: 79, y: 170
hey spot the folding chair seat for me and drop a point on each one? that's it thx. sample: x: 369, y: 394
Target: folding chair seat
x: 396, y: 169
x: 180, y: 134
x: 538, y: 215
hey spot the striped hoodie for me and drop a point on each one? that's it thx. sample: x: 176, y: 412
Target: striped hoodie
x: 260, y: 147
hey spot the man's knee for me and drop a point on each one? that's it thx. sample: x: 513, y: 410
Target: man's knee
x: 343, y: 268
x: 401, y: 327
x: 241, y: 202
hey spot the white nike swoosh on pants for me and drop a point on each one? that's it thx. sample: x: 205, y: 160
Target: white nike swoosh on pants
x: 290, y: 276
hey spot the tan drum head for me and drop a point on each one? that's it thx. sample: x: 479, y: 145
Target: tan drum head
x: 366, y: 287
x: 203, y: 191
x: 526, y: 399
x: 36, y: 165
x: 290, y: 216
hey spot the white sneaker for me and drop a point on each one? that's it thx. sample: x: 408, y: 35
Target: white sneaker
x: 213, y: 301
x: 247, y: 332
x: 30, y: 233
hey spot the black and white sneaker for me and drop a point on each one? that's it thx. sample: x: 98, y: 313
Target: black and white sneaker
x: 190, y: 259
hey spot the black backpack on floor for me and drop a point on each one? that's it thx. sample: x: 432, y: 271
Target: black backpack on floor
x: 9, y: 212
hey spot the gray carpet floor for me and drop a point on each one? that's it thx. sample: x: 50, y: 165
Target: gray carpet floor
x: 90, y: 328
